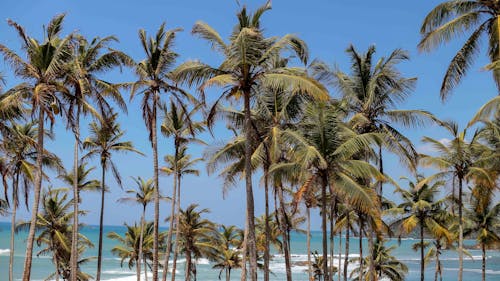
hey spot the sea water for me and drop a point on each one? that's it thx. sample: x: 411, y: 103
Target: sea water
x: 113, y: 270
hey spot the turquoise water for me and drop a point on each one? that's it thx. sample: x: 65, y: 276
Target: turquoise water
x: 42, y: 266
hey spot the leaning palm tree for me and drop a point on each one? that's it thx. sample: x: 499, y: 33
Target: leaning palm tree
x: 154, y: 78
x: 421, y: 210
x: 89, y: 60
x: 178, y: 123
x: 459, y: 158
x: 142, y: 195
x: 245, y: 70
x: 454, y: 18
x: 484, y: 221
x: 104, y: 140
x: 178, y: 165
x: 42, y: 69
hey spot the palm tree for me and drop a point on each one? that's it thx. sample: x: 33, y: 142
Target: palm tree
x: 20, y: 166
x: 54, y: 231
x: 386, y: 266
x: 226, y: 253
x: 454, y: 18
x: 245, y: 71
x: 104, y: 140
x: 484, y: 221
x: 179, y: 165
x: 142, y: 195
x: 195, y: 236
x: 82, y: 181
x: 461, y: 158
x: 42, y: 70
x: 154, y: 77
x: 420, y: 209
x: 130, y: 245
x: 178, y: 123
x: 89, y: 60
x: 326, y: 147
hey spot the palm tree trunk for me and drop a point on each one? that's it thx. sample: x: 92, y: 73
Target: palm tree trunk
x: 56, y: 263
x: 309, y: 265
x: 249, y: 191
x: 101, y: 220
x: 228, y: 274
x: 332, y: 245
x: 460, y: 232
x: 266, y: 226
x: 453, y: 183
x: 15, y: 186
x: 340, y: 255
x: 172, y: 214
x: 361, y: 261
x: 138, y: 269
x: 371, y: 271
x: 422, y: 265
x: 76, y: 199
x: 145, y: 269
x: 156, y: 222
x: 188, y: 263
x: 324, y: 225
x: 37, y: 189
x: 483, y: 268
x: 284, y: 226
x: 244, y: 251
x: 141, y: 242
x: 347, y: 234
x: 177, y: 229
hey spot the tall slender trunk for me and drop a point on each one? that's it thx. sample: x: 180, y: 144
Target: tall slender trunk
x: 141, y: 242
x: 266, y: 226
x: 332, y: 245
x: 188, y: 263
x: 371, y: 267
x: 453, y: 183
x: 36, y: 199
x: 460, y: 232
x: 145, y: 269
x: 361, y: 261
x: 347, y: 237
x: 138, y: 269
x: 309, y: 265
x: 249, y: 191
x: 284, y: 226
x: 101, y: 220
x: 483, y: 267
x: 422, y: 265
x: 172, y: 214
x: 56, y: 263
x: 438, y: 262
x: 15, y: 186
x: 177, y: 229
x: 324, y: 225
x: 76, y: 199
x: 156, y: 222
x: 340, y: 255
x: 228, y: 274
x: 244, y: 252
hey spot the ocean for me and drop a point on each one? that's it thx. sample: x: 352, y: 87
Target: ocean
x: 112, y: 271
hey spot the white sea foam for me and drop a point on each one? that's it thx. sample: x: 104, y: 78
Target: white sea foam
x: 118, y: 272
x: 4, y: 251
x: 475, y: 270
x: 202, y: 261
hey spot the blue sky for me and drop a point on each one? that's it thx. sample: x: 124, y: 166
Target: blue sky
x: 328, y: 26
